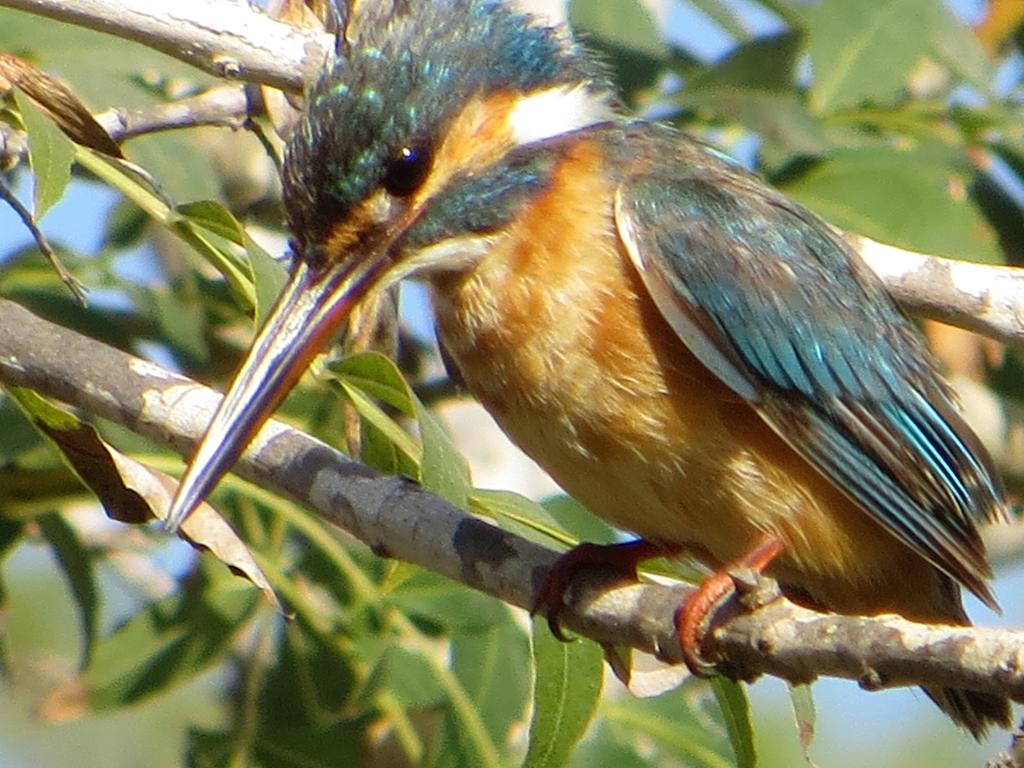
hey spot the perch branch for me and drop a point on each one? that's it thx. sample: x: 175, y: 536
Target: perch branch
x: 397, y: 518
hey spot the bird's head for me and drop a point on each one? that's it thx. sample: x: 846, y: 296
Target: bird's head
x: 424, y: 135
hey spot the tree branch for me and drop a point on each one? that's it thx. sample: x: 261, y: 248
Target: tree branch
x: 226, y: 106
x: 237, y: 41
x: 396, y: 518
x: 228, y: 39
x: 979, y: 297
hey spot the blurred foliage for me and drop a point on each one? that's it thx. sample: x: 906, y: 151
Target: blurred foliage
x: 891, y: 118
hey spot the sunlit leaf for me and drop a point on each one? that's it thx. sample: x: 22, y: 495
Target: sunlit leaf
x: 913, y: 199
x: 864, y: 49
x: 755, y: 86
x: 50, y: 154
x: 440, y: 600
x: 566, y: 690
x: 443, y: 469
x: 215, y: 218
x: 269, y: 275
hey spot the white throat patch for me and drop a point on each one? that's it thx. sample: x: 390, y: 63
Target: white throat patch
x: 556, y: 111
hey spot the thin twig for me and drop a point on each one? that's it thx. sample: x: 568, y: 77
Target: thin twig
x: 76, y: 288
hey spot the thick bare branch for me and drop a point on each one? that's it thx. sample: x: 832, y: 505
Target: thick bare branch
x: 978, y: 297
x: 225, y: 38
x: 397, y: 518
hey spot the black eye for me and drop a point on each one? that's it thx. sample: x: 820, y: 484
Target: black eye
x: 407, y: 170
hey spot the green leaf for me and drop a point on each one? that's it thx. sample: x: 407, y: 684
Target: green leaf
x: 17, y: 434
x: 624, y: 32
x: 864, y: 50
x: 681, y: 727
x: 915, y: 199
x: 215, y: 218
x: 373, y: 415
x: 178, y: 312
x: 10, y: 535
x: 566, y: 691
x: 724, y: 16
x: 579, y: 521
x: 310, y: 680
x: 340, y: 743
x: 443, y: 469
x: 142, y: 189
x: 378, y: 376
x: 521, y: 516
x: 956, y: 45
x: 444, y: 602
x: 77, y: 565
x: 89, y: 61
x: 166, y: 644
x: 269, y: 276
x: 625, y: 24
x: 125, y: 225
x: 408, y: 676
x: 184, y: 171
x: 754, y: 86
x: 50, y: 153
x: 732, y: 700
x: 493, y: 666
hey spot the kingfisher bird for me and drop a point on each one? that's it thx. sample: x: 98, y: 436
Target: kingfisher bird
x: 698, y: 359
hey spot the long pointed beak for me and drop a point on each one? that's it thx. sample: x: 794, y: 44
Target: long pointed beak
x: 314, y: 303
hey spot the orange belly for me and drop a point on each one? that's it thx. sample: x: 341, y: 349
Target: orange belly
x: 565, y: 349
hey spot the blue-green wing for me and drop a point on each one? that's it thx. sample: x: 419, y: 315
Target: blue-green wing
x: 778, y: 306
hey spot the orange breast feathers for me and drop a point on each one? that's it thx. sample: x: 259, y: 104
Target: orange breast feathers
x: 555, y: 334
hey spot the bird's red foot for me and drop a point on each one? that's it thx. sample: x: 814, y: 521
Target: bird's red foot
x: 619, y: 558
x: 696, y: 612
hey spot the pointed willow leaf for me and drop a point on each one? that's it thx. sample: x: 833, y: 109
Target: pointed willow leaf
x: 625, y: 24
x: 957, y: 46
x: 493, y: 668
x: 77, y: 565
x: 443, y: 469
x: 374, y: 415
x: 732, y: 700
x: 671, y: 727
x: 269, y: 276
x: 724, y: 15
x: 566, y: 691
x: 379, y: 377
x: 440, y: 600
x: 213, y: 217
x: 521, y: 516
x: 50, y: 153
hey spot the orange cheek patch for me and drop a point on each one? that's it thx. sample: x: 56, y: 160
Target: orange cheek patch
x: 477, y: 138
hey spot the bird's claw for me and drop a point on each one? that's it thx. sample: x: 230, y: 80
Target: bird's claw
x: 621, y: 558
